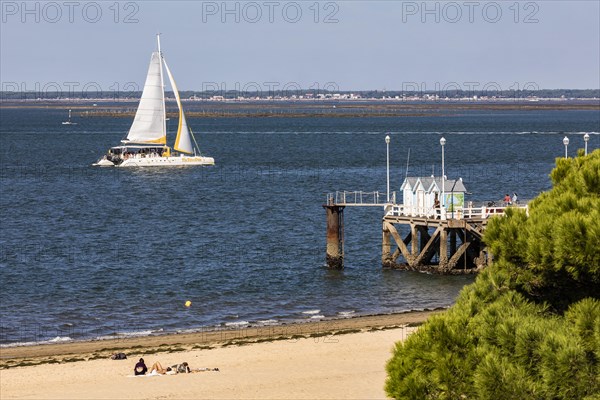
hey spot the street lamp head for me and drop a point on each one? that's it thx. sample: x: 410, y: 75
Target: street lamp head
x: 586, y: 137
x: 566, y: 141
x: 387, y: 139
x: 442, y: 141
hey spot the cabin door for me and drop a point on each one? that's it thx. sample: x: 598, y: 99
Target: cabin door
x: 421, y: 201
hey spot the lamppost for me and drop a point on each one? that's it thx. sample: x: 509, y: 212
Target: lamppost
x: 586, y: 139
x: 443, y: 202
x: 566, y: 143
x: 387, y: 145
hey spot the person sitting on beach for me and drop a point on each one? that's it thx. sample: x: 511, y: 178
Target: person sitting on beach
x: 140, y: 368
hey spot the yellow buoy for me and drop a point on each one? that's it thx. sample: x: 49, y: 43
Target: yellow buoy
x: 188, y: 303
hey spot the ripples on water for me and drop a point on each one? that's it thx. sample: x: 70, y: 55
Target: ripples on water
x: 90, y: 252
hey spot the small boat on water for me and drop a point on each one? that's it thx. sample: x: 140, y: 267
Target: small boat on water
x: 146, y: 142
x: 69, y: 122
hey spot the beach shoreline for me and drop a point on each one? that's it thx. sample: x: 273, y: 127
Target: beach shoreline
x: 334, y: 359
x: 203, y: 339
x: 336, y: 366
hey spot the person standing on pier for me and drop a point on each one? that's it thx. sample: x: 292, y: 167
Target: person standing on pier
x: 507, y: 200
x: 515, y: 198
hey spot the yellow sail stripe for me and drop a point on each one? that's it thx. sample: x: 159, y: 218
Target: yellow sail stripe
x: 177, y: 138
x: 176, y: 146
x: 161, y: 140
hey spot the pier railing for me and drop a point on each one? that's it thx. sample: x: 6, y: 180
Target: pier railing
x: 360, y: 198
x: 376, y: 198
x: 469, y: 212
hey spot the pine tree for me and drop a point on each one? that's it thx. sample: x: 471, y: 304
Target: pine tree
x: 529, y: 326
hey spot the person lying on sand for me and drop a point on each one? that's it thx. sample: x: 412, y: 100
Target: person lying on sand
x: 182, y: 368
x: 157, y: 368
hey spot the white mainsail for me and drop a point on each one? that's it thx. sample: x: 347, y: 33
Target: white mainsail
x: 149, y: 122
x: 183, y: 141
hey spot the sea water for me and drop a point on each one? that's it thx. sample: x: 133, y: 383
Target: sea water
x: 91, y: 252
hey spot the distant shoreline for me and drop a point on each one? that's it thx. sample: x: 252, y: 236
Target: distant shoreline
x: 125, y: 108
x: 175, y: 342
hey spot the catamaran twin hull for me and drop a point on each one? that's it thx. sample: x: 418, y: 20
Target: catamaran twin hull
x: 158, y: 162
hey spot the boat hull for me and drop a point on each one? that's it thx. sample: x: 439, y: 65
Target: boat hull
x: 181, y: 161
x: 104, y: 163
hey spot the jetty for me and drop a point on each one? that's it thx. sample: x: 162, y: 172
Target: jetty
x: 433, y: 230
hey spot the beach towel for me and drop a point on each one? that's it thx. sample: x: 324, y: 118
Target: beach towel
x: 151, y: 374
x: 172, y: 372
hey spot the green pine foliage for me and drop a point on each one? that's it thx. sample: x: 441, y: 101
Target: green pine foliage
x: 553, y: 255
x: 529, y: 326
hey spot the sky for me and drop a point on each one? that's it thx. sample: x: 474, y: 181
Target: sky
x: 345, y: 45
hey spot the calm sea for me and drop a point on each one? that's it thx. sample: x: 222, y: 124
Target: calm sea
x: 89, y: 252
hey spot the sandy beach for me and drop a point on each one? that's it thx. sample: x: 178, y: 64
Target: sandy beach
x: 341, y: 359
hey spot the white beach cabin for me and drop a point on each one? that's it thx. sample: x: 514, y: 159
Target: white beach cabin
x: 420, y: 195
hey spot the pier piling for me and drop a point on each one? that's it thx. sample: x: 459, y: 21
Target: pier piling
x: 433, y: 244
x: 335, y: 235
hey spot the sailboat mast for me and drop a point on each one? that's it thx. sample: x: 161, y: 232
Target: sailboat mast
x: 162, y: 85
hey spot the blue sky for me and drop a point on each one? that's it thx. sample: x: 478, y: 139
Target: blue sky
x: 351, y: 45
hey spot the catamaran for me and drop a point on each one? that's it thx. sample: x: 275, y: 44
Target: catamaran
x: 146, y: 142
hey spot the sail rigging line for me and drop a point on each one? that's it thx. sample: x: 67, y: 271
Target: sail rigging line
x: 407, y: 163
x: 196, y: 143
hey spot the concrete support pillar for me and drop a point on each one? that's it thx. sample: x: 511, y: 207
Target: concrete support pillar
x: 335, y: 236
